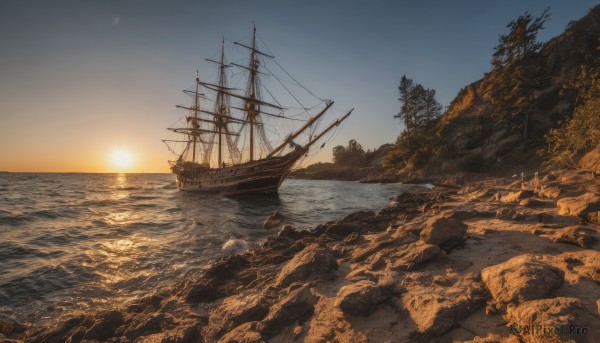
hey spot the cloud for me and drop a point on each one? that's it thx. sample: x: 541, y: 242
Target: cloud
x: 116, y: 21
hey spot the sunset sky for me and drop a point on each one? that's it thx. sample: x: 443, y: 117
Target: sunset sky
x: 84, y: 81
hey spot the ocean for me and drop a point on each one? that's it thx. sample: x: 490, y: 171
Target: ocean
x: 74, y: 243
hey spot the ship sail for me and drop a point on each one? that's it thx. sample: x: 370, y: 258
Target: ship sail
x: 230, y: 141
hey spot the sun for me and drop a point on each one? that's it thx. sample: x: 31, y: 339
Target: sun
x: 122, y: 158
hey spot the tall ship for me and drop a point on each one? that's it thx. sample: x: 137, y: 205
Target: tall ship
x: 236, y: 140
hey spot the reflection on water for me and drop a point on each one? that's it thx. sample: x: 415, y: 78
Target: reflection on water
x: 80, y: 242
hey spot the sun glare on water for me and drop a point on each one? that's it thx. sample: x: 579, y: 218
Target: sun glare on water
x: 122, y: 159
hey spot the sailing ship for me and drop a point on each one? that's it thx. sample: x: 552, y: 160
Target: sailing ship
x: 235, y: 123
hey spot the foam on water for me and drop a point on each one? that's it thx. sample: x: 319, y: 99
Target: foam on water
x: 235, y: 246
x: 72, y: 243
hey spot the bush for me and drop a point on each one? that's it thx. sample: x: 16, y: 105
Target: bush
x: 581, y: 133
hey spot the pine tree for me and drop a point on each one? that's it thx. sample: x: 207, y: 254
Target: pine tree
x: 407, y: 110
x: 518, y: 73
x: 419, y: 112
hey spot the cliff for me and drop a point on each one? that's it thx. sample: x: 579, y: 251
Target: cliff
x: 472, y: 141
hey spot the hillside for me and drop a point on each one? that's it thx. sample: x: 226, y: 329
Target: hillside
x: 370, y: 170
x: 470, y: 140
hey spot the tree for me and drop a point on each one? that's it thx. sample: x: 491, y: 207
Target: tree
x: 432, y: 109
x: 407, y: 109
x: 518, y: 73
x: 521, y: 41
x: 352, y: 155
x: 581, y: 133
x: 418, y: 106
x: 419, y: 112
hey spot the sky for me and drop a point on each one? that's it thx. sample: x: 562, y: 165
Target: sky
x: 81, y: 79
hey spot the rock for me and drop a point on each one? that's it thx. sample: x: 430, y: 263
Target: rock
x: 494, y: 338
x: 594, y: 217
x: 361, y: 298
x: 520, y: 279
x: 509, y: 214
x: 531, y: 202
x: 245, y: 333
x: 579, y: 206
x: 105, y: 326
x: 399, y: 238
x: 442, y: 231
x: 545, y: 218
x: 72, y: 329
x: 274, y: 219
x: 574, y: 235
x: 313, y: 262
x: 288, y: 231
x: 359, y: 216
x: 516, y: 196
x: 236, y: 310
x: 482, y: 194
x: 461, y: 214
x: 412, y: 256
x: 436, y: 310
x: 353, y: 238
x: 568, y: 315
x: 342, y: 229
x: 186, y: 334
x: 212, y: 284
x: 548, y: 192
x: 13, y: 330
x: 296, y: 306
x: 145, y: 325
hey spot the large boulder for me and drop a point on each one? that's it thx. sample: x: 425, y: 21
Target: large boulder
x: 412, y: 256
x: 343, y: 229
x: 236, y: 310
x: 481, y: 194
x: 551, y: 192
x: 558, y: 319
x: 313, y: 262
x: 298, y: 305
x: 575, y: 235
x: 435, y: 309
x: 509, y: 214
x: 443, y: 231
x: 532, y: 202
x: 105, y: 326
x: 515, y: 197
x: 365, y: 251
x: 245, y: 333
x: 520, y: 279
x: 581, y: 206
x: 361, y: 298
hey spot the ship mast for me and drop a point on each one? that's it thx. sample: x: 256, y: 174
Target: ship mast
x: 252, y: 108
x: 220, y: 103
x: 252, y: 101
x: 195, y: 120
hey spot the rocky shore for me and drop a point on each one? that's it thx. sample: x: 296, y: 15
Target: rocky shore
x: 487, y: 262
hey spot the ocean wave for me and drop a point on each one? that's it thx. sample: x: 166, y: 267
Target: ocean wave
x: 65, y: 253
x: 15, y: 220
x: 235, y: 246
x: 172, y: 185
x: 127, y: 188
x: 10, y: 251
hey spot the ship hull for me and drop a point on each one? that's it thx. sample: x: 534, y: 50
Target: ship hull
x: 261, y: 176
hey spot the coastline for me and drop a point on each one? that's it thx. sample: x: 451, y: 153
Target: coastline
x: 477, y: 264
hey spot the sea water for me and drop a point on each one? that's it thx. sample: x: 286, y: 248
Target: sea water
x: 75, y: 243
